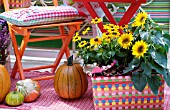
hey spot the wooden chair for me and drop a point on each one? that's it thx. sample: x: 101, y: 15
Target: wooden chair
x: 25, y: 31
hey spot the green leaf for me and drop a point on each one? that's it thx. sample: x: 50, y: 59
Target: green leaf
x: 158, y: 68
x: 166, y: 39
x: 154, y: 83
x: 121, y: 54
x: 134, y: 63
x: 144, y: 35
x: 159, y: 57
x: 167, y: 79
x: 157, y: 39
x: 112, y: 53
x: 139, y: 81
x: 147, y: 69
x: 158, y: 29
x: 136, y: 32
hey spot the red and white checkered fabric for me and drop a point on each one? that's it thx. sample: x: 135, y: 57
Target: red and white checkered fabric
x: 42, y: 15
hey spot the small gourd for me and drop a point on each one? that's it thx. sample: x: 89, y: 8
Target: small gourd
x: 5, y: 83
x: 14, y: 98
x: 29, y: 88
x: 70, y: 81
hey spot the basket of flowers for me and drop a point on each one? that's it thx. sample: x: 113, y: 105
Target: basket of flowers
x: 127, y: 64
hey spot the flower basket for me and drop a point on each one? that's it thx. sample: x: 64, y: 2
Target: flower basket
x: 117, y: 93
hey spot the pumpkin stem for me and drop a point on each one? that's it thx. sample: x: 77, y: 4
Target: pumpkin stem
x: 70, y: 61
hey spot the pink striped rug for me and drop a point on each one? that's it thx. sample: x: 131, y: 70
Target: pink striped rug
x: 50, y: 101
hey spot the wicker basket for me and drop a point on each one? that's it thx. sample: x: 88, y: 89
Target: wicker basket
x: 118, y: 93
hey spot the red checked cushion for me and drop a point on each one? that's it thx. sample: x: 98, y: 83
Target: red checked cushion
x: 42, y: 15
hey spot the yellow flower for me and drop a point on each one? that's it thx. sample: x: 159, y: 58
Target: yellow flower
x: 125, y: 40
x: 76, y: 38
x: 96, y: 41
x: 116, y: 27
x: 106, y: 26
x: 88, y: 45
x: 93, y: 47
x: 108, y: 39
x: 115, y: 34
x: 140, y: 19
x: 123, y: 27
x: 106, y: 34
x: 96, y: 20
x: 139, y: 49
x: 110, y: 30
x: 77, y: 34
x: 82, y: 44
x: 86, y: 31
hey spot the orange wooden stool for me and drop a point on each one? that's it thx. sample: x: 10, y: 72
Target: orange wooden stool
x: 25, y: 31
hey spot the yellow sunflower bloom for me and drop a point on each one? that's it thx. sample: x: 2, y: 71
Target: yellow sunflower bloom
x: 115, y: 34
x: 139, y: 49
x: 108, y: 39
x: 76, y: 38
x: 123, y: 27
x: 110, y: 30
x: 82, y: 44
x: 96, y: 20
x: 116, y: 27
x: 125, y: 40
x: 96, y: 41
x: 88, y: 45
x: 93, y: 47
x: 140, y: 19
x: 106, y: 34
x: 106, y: 26
x: 77, y: 34
x: 86, y: 31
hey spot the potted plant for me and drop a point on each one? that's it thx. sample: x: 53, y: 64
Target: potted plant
x: 4, y: 42
x: 125, y: 61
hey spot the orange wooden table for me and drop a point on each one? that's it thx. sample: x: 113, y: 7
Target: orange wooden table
x: 134, y: 5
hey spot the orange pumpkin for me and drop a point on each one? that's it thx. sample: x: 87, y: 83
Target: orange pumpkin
x: 5, y: 82
x: 70, y: 81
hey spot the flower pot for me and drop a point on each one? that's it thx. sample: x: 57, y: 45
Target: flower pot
x: 117, y: 93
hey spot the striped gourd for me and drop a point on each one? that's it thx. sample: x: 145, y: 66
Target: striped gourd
x: 70, y: 81
x: 14, y: 98
x: 5, y: 82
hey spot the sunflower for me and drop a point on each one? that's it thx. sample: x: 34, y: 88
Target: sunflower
x: 139, y: 49
x: 115, y: 34
x: 93, y: 47
x: 106, y: 26
x: 107, y: 37
x: 88, y: 45
x: 125, y: 40
x: 86, y: 31
x: 123, y: 27
x: 106, y: 34
x: 76, y: 38
x: 82, y: 44
x: 96, y: 20
x: 96, y: 41
x: 140, y: 19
